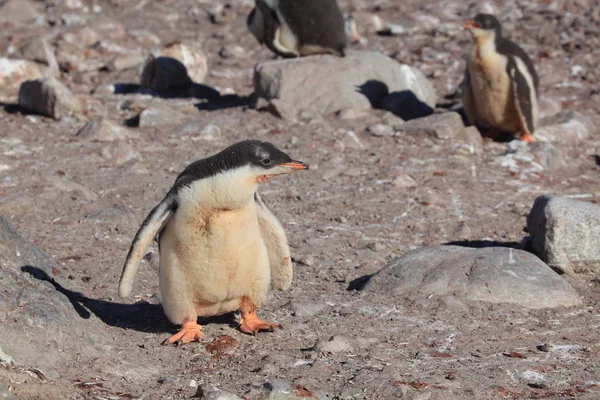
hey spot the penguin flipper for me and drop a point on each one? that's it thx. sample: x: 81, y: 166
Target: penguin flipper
x: 524, y: 95
x: 276, y: 243
x: 152, y: 225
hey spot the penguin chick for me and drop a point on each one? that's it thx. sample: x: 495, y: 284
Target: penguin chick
x: 501, y: 85
x: 293, y: 28
x: 220, y: 246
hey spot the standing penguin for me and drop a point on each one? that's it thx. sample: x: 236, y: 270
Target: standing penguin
x: 220, y: 247
x: 293, y: 28
x: 501, y: 85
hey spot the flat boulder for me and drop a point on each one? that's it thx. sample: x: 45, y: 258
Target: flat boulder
x: 492, y: 275
x: 41, y: 325
x: 325, y: 84
x: 565, y: 233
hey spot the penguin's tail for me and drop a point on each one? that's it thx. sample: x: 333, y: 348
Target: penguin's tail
x: 152, y: 225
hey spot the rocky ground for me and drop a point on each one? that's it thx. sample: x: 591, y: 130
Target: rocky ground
x: 377, y: 189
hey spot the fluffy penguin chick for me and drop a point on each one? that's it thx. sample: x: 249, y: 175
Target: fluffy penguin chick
x: 501, y: 85
x: 292, y: 28
x: 220, y: 247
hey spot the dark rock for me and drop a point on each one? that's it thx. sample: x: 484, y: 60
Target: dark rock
x: 48, y: 97
x: 493, y: 275
x: 566, y: 233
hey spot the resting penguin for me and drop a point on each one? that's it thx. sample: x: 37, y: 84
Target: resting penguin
x: 220, y: 247
x: 501, y: 85
x: 293, y: 28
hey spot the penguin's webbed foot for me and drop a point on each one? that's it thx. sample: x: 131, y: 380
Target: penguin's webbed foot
x: 526, y: 137
x: 190, y: 332
x: 250, y: 323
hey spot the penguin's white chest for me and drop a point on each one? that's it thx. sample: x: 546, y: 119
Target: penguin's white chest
x: 492, y: 89
x: 215, y: 255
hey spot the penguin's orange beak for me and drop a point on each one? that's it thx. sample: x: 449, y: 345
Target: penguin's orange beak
x: 294, y: 165
x: 469, y: 24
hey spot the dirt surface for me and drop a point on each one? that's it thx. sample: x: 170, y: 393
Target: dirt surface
x: 343, y: 217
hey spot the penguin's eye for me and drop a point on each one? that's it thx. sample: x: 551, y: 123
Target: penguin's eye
x: 266, y: 161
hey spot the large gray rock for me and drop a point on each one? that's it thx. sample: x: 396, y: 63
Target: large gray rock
x: 17, y: 11
x: 324, y: 84
x: 565, y: 127
x: 42, y: 324
x: 39, y: 50
x: 48, y: 97
x: 493, y: 275
x: 565, y: 233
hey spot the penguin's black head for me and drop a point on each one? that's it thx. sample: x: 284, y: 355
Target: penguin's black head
x: 260, y: 160
x: 484, y: 24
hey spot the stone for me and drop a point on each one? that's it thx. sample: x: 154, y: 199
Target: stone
x: 39, y: 50
x: 43, y: 323
x: 491, y: 275
x: 534, y: 379
x: 104, y: 130
x: 306, y: 308
x: 48, y: 97
x: 334, y: 344
x: 278, y: 389
x: 324, y: 84
x: 120, y: 152
x: 160, y: 115
x: 67, y: 185
x: 380, y: 130
x: 565, y: 127
x: 197, y: 130
x: 547, y: 155
x: 403, y: 182
x: 565, y: 233
x: 117, y: 218
x: 123, y: 62
x: 14, y: 72
x: 441, y: 126
x: 211, y: 392
x: 174, y: 67
x: 18, y: 11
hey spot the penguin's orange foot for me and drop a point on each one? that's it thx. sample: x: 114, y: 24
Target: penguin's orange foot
x: 526, y: 137
x: 189, y: 332
x: 250, y: 323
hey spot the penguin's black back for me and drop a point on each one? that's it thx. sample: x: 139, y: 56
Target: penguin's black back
x: 315, y: 22
x: 509, y: 48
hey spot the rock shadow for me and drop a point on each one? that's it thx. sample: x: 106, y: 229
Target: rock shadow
x: 480, y: 244
x: 359, y: 283
x: 10, y: 108
x: 404, y: 104
x: 141, y: 316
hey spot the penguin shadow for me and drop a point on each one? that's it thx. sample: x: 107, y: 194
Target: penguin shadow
x: 404, y: 104
x: 596, y: 158
x: 141, y: 317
